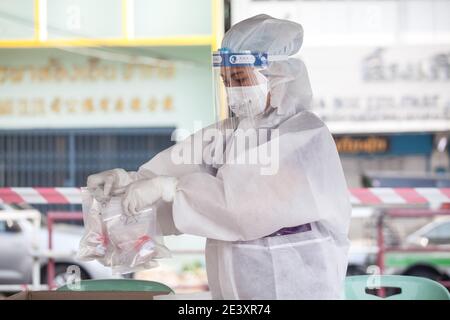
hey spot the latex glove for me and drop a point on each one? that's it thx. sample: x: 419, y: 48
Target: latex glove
x: 142, y: 194
x: 105, y: 183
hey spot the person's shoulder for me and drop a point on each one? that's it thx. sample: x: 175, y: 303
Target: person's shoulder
x: 312, y: 118
x: 305, y: 120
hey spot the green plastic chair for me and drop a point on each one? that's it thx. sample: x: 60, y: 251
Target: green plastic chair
x: 120, y: 285
x: 411, y: 288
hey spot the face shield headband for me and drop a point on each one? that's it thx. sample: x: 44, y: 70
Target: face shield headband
x: 240, y: 87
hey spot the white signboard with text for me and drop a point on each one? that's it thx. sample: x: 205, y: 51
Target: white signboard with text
x: 375, y: 66
x: 370, y: 89
x: 51, y: 88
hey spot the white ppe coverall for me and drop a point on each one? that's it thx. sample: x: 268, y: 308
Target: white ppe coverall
x: 238, y: 209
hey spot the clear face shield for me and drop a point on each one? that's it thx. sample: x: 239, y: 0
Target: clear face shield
x: 241, y: 90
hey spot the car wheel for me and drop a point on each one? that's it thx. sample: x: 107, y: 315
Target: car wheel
x: 424, y: 272
x: 355, y: 271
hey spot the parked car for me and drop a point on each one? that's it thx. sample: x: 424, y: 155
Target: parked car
x: 433, y: 264
x: 16, y: 238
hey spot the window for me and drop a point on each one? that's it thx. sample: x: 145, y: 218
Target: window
x: 358, y: 22
x: 9, y: 226
x: 64, y: 158
x: 439, y: 235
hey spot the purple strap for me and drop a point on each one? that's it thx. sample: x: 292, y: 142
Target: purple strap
x: 291, y: 230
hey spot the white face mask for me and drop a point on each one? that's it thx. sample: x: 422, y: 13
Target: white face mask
x: 248, y: 101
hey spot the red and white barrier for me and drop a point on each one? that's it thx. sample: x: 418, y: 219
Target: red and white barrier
x: 399, y: 195
x: 40, y: 195
x: 360, y: 196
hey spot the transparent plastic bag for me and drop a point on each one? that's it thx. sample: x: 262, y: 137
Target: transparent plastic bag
x: 94, y: 243
x: 137, y: 240
x: 124, y: 243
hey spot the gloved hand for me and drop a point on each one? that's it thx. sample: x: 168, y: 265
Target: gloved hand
x: 107, y: 182
x: 143, y: 193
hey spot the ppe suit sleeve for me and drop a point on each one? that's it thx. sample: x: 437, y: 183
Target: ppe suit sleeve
x: 304, y: 184
x: 169, y: 162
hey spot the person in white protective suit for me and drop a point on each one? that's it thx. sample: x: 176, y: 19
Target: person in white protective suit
x: 271, y: 234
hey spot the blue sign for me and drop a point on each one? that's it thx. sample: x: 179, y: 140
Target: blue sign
x: 395, y: 145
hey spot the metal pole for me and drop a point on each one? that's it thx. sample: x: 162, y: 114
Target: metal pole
x: 51, y: 261
x: 381, y: 250
x: 36, y: 261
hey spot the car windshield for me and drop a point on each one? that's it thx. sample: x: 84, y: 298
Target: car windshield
x: 9, y: 226
x: 439, y: 235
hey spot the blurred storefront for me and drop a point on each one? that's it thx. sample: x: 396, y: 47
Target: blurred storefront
x: 380, y: 72
x: 87, y: 86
